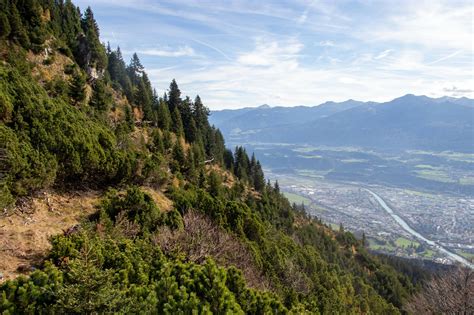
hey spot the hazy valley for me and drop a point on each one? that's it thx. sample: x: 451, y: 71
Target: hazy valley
x: 429, y: 184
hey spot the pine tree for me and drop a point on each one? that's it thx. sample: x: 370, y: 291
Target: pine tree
x: 164, y: 116
x: 174, y: 96
x: 4, y: 26
x: 135, y: 69
x: 229, y: 160
x: 157, y: 142
x: 215, y: 182
x: 179, y: 159
x: 89, y: 24
x: 116, y: 66
x: 167, y: 141
x: 129, y: 118
x: 258, y: 178
x: 101, y: 97
x: 200, y: 113
x: 143, y: 98
x: 189, y: 125
x: 91, y: 46
x: 241, y: 164
x: 78, y: 87
x: 177, y: 127
x: 276, y: 187
x: 18, y: 31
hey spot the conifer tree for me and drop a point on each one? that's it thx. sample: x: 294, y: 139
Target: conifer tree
x: 174, y: 96
x: 229, y: 160
x: 241, y: 164
x: 200, y: 113
x: 157, y: 142
x: 89, y: 24
x: 215, y: 182
x: 92, y: 45
x: 179, y: 158
x: 143, y: 99
x: 135, y: 69
x: 164, y: 116
x: 4, y: 26
x: 167, y: 141
x: 129, y: 118
x: 177, y: 126
x: 101, y: 97
x: 189, y: 125
x: 191, y: 131
x: 258, y: 178
x: 18, y: 31
x: 77, y: 90
x: 276, y: 187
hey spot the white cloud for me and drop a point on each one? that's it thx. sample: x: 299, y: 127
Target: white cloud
x: 383, y: 54
x: 272, y: 73
x: 430, y: 41
x: 446, y: 57
x: 272, y: 53
x: 169, y: 52
x: 326, y: 43
x: 429, y: 23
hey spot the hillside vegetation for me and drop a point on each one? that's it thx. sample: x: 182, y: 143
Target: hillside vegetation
x: 75, y: 116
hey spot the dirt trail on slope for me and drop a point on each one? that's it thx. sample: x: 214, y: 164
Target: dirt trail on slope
x: 26, y: 229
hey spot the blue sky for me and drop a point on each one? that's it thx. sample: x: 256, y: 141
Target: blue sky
x: 298, y: 52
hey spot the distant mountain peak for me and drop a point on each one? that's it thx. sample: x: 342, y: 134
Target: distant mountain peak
x: 264, y: 106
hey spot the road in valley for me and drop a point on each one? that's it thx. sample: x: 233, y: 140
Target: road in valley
x: 407, y: 228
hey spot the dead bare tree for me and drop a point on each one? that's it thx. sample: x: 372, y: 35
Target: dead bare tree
x: 201, y: 239
x: 449, y: 293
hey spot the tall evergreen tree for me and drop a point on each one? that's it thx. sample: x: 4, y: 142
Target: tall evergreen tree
x: 241, y: 164
x: 200, y: 114
x: 135, y: 69
x: 4, y: 26
x: 229, y: 160
x: 258, y: 178
x: 129, y: 118
x: 174, y: 96
x: 18, y: 31
x: 179, y: 157
x: 101, y: 97
x: 77, y: 90
x: 91, y: 53
x: 177, y: 126
x: 164, y: 116
x: 143, y: 98
x: 189, y: 125
x: 89, y: 24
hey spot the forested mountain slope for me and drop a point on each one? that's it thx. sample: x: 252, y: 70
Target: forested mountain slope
x: 74, y: 116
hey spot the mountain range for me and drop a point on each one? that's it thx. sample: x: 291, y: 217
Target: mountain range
x: 406, y: 123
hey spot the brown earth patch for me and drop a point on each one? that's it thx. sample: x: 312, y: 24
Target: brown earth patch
x: 163, y: 202
x: 26, y: 229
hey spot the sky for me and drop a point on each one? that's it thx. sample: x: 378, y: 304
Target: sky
x: 242, y: 53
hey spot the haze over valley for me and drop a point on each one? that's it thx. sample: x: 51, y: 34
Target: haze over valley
x: 416, y: 152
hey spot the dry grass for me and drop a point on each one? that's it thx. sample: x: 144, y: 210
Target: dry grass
x: 25, y: 231
x: 228, y: 179
x: 163, y: 203
x: 47, y: 72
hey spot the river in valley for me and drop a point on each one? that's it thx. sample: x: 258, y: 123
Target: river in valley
x: 407, y: 228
